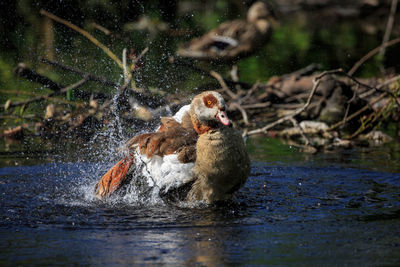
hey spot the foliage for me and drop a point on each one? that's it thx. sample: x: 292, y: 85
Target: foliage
x: 297, y: 42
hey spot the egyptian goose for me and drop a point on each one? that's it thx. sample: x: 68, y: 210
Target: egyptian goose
x: 233, y: 39
x: 197, y: 151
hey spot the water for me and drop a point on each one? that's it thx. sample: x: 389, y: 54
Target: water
x: 331, y: 209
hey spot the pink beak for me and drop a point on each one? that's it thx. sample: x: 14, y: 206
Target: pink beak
x: 222, y: 117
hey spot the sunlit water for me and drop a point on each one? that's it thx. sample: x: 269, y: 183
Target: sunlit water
x: 339, y: 208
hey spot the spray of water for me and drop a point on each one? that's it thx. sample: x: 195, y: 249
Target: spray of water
x: 105, y: 146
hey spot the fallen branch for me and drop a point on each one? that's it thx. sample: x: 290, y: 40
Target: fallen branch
x: 385, y: 83
x: 24, y: 72
x: 348, y: 104
x: 316, y: 82
x: 380, y: 97
x: 372, y: 53
x: 235, y: 105
x: 372, y: 117
x: 101, y: 28
x: 17, y: 92
x: 86, y: 34
x: 40, y: 98
x: 355, y: 114
x: 235, y: 98
x: 376, y: 88
x: 249, y: 93
x: 225, y: 87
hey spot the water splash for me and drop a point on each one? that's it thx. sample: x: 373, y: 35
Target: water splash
x: 109, y: 141
x: 106, y: 147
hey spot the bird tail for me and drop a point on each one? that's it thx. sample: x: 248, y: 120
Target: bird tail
x: 114, y: 177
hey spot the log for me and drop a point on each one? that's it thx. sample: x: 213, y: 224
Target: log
x: 24, y: 72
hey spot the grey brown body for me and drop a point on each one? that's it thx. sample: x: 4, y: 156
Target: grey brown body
x: 222, y: 165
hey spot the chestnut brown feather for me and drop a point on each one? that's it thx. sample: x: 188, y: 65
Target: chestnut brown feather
x: 210, y: 100
x: 171, y: 137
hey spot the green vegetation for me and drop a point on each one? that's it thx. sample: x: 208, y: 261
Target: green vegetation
x: 297, y: 41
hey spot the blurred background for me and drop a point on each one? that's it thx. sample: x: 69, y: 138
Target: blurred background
x: 332, y: 34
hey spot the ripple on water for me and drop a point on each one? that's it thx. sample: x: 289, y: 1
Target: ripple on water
x: 284, y: 212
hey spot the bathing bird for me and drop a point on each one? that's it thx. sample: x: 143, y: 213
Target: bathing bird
x: 195, y: 154
x: 233, y: 40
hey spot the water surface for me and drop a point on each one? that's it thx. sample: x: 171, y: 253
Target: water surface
x: 338, y: 208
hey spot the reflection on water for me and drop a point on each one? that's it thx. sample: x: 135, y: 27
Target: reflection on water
x: 338, y: 208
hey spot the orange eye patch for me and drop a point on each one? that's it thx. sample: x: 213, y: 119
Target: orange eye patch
x: 210, y: 100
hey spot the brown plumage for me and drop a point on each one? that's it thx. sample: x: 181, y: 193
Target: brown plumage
x: 222, y: 165
x: 205, y: 138
x: 171, y: 137
x: 233, y: 39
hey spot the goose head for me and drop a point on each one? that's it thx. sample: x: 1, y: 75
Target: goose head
x: 208, y: 111
x: 259, y: 10
x: 261, y: 15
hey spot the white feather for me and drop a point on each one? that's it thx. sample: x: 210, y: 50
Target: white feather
x: 227, y: 40
x: 179, y: 115
x: 165, y: 172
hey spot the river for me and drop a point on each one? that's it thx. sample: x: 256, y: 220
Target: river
x: 328, y: 209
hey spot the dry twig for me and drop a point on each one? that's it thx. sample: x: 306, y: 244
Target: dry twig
x: 316, y: 82
x: 389, y: 26
x: 355, y: 114
x: 40, y: 98
x: 24, y: 72
x: 372, y: 53
x: 101, y: 28
x: 225, y: 87
x: 235, y: 105
x: 86, y: 34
